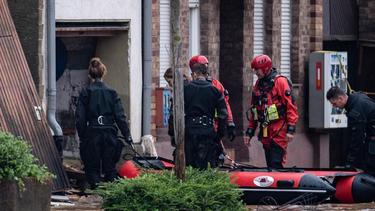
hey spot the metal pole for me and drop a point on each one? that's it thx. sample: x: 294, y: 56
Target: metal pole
x: 147, y: 59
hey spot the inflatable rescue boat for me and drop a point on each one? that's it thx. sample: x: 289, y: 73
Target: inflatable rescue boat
x: 275, y: 188
x: 281, y: 186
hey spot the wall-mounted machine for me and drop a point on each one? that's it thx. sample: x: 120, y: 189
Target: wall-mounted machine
x: 326, y: 69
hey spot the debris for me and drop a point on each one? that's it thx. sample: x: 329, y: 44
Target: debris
x: 59, y: 198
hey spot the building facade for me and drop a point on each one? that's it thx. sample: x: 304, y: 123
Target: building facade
x: 228, y: 32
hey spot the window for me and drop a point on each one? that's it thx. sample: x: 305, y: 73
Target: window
x: 194, y: 28
x: 165, y: 40
x: 285, y: 38
x: 258, y: 30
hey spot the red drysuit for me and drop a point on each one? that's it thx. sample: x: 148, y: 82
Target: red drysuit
x: 270, y: 94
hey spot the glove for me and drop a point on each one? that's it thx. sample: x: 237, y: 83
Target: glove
x: 291, y: 129
x: 231, y: 131
x: 250, y: 132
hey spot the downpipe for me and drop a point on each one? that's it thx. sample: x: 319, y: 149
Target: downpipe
x: 147, y: 141
x: 51, y: 79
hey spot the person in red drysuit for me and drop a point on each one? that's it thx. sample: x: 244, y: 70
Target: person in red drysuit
x: 273, y: 110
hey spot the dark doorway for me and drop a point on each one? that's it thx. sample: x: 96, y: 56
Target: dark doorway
x: 366, y: 70
x: 231, y: 64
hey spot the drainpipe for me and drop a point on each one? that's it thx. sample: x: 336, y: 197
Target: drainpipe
x: 51, y: 80
x: 147, y: 88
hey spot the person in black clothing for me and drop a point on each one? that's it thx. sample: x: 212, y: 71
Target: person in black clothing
x: 361, y: 122
x: 99, y: 108
x: 168, y: 76
x: 201, y: 101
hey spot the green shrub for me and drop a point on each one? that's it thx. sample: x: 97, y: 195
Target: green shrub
x: 17, y: 163
x: 202, y: 190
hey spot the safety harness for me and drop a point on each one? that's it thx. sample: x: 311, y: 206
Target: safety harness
x: 271, y: 112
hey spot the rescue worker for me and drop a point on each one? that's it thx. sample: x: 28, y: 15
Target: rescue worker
x: 231, y: 134
x: 200, y: 59
x: 273, y: 110
x: 99, y: 108
x: 360, y: 110
x: 201, y: 101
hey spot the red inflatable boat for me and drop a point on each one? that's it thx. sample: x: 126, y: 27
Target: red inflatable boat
x: 304, y: 185
x: 275, y: 188
x: 283, y: 186
x: 358, y: 188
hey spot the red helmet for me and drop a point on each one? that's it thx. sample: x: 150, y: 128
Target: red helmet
x: 197, y: 59
x: 262, y: 62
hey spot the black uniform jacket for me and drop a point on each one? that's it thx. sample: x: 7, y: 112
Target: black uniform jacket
x: 361, y: 122
x: 98, y: 104
x: 203, y: 99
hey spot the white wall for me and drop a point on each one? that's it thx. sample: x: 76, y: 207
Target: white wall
x: 112, y: 10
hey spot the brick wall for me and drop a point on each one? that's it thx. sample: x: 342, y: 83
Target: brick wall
x: 300, y: 50
x: 307, y: 36
x: 27, y: 16
x: 248, y: 28
x: 276, y: 33
x: 242, y: 151
x: 366, y: 20
x: 268, y: 25
x: 316, y: 25
x: 300, y: 43
x: 155, y: 60
x: 184, y: 27
x: 272, y: 24
x: 210, y: 33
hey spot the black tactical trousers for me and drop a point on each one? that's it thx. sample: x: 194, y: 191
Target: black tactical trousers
x: 201, y: 149
x: 274, y: 156
x: 98, y: 153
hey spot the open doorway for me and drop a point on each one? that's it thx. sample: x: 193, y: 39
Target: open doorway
x: 76, y: 44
